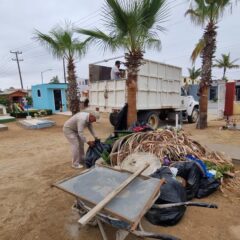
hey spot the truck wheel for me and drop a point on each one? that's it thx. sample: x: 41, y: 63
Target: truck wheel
x: 152, y: 119
x: 194, y: 117
x: 113, y: 118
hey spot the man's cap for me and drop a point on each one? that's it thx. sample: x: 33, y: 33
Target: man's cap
x: 95, y: 114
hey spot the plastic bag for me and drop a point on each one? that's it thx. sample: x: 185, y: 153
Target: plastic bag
x: 165, y: 216
x: 192, y: 173
x: 202, y: 166
x: 121, y: 123
x: 95, y: 152
x: 171, y: 192
x: 140, y: 127
x: 207, y: 186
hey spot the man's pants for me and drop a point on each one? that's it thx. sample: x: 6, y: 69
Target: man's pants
x: 77, y: 146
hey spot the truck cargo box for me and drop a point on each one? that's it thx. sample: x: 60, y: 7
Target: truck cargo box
x: 159, y: 87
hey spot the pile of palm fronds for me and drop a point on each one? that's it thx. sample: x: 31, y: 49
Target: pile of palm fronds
x: 164, y: 142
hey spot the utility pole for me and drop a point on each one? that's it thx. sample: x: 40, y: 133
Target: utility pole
x: 18, y: 60
x: 64, y: 71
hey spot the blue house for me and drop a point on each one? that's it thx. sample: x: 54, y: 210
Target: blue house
x: 50, y: 96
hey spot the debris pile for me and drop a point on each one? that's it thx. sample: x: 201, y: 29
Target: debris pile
x: 174, y: 145
x: 170, y: 146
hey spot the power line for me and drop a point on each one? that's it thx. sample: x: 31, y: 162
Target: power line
x: 3, y: 66
x: 18, y: 60
x: 87, y: 17
x: 6, y: 70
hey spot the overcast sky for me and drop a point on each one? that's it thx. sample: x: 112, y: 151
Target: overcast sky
x: 19, y: 18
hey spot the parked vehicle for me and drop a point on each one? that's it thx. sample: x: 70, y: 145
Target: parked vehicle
x: 158, y: 95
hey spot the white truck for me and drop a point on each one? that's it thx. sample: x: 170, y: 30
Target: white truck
x: 158, y: 94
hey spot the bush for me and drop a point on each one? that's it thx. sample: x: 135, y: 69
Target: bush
x: 32, y: 113
x: 30, y: 101
x: 4, y: 101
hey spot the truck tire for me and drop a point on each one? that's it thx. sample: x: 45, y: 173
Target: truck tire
x: 152, y: 119
x: 113, y: 118
x: 194, y: 116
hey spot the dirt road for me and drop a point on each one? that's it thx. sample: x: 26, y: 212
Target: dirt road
x: 31, y: 160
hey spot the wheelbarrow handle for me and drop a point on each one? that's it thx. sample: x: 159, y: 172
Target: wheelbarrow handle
x: 153, y: 235
x: 195, y: 204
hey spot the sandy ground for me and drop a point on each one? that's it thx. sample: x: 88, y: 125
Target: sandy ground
x: 31, y: 160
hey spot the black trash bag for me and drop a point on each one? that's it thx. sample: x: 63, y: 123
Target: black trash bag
x: 121, y: 122
x: 171, y: 192
x: 163, y: 172
x: 192, y: 173
x: 94, y: 152
x: 207, y: 186
x: 165, y: 216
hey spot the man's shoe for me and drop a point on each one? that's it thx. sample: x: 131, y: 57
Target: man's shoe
x: 79, y: 166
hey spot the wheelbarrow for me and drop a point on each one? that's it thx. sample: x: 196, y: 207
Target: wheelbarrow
x: 125, y: 211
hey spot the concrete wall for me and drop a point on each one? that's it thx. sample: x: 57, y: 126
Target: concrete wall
x: 236, y: 108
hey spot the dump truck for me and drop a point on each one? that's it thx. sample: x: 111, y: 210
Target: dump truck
x: 158, y: 93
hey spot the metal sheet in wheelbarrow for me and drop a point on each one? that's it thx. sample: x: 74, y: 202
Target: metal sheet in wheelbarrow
x: 130, y: 205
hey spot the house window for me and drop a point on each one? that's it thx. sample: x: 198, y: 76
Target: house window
x: 38, y: 93
x: 237, y: 93
x: 213, y: 93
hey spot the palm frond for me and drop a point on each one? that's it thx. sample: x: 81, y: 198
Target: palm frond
x: 202, y: 11
x: 49, y: 42
x: 198, y: 49
x: 133, y: 25
x: 225, y: 62
x: 61, y: 43
x: 98, y: 37
x: 234, y: 61
x: 153, y: 43
x: 194, y: 73
x: 114, y: 15
x: 153, y: 12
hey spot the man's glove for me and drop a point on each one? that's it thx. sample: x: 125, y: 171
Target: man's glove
x: 91, y: 143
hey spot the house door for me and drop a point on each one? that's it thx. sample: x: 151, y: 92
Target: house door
x: 229, y: 98
x: 57, y: 99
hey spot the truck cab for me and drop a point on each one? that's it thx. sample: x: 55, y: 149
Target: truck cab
x: 191, y: 105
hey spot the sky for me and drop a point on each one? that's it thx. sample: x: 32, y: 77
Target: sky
x: 19, y: 19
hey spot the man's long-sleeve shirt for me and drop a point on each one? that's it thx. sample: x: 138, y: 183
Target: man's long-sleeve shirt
x: 78, y: 122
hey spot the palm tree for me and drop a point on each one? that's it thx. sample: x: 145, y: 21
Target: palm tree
x: 206, y: 13
x: 226, y: 63
x: 194, y: 73
x: 54, y: 80
x: 61, y: 43
x: 133, y: 26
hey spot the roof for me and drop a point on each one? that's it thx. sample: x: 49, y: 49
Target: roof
x: 51, y: 86
x: 9, y: 92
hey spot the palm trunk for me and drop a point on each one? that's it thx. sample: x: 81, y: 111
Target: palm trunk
x: 206, y: 74
x: 73, y: 99
x: 133, y: 61
x: 224, y: 74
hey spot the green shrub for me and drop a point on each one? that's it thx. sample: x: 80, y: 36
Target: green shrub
x: 30, y: 101
x: 32, y: 113
x: 4, y: 101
